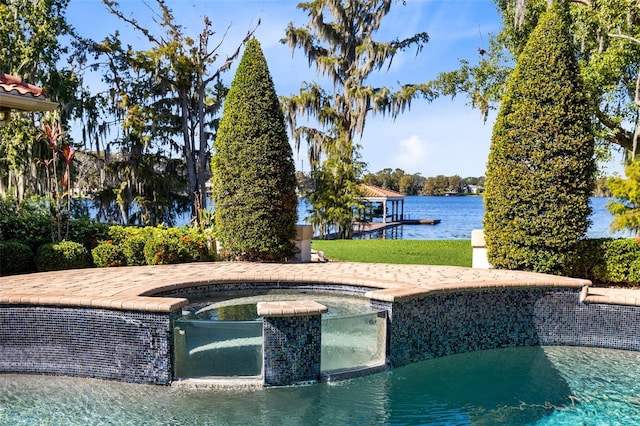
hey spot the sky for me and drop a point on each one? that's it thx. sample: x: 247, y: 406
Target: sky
x: 443, y: 137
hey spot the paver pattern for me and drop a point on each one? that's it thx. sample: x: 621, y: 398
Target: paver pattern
x: 133, y: 288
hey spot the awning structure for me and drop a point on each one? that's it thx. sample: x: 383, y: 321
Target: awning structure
x: 373, y: 194
x: 17, y: 95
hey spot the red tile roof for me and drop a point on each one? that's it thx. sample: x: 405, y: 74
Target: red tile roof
x: 14, y: 85
x: 373, y: 191
x: 15, y: 94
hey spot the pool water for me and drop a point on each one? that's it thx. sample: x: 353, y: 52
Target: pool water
x: 513, y: 386
x: 245, y: 308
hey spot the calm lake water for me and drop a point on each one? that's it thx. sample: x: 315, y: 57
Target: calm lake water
x: 460, y: 215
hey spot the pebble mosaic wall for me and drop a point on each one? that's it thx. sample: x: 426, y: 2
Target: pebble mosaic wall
x: 450, y: 323
x: 562, y: 320
x: 98, y: 343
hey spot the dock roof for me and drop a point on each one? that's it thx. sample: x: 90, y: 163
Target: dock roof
x: 376, y: 193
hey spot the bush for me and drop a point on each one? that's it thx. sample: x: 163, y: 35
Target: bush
x: 108, y: 254
x: 88, y: 232
x: 166, y: 245
x: 62, y: 255
x: 163, y: 247
x: 177, y: 245
x: 608, y: 261
x: 133, y: 248
x: 28, y: 221
x: 253, y: 174
x: 132, y: 240
x: 199, y: 244
x: 15, y: 258
x: 540, y: 169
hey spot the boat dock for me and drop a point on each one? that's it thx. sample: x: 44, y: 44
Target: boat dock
x: 377, y: 198
x: 360, y: 228
x: 363, y: 228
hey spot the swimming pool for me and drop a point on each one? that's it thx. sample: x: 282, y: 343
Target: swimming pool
x: 548, y: 385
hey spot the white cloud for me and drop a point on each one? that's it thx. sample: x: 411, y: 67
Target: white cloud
x: 413, y: 154
x: 442, y: 137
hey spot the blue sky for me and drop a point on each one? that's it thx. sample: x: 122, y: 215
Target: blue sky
x: 442, y: 137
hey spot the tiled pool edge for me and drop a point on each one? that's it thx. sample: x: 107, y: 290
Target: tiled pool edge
x: 136, y: 347
x: 453, y: 316
x: 448, y: 323
x: 87, y: 342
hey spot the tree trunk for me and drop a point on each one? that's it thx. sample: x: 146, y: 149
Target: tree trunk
x: 188, y: 151
x: 202, y: 159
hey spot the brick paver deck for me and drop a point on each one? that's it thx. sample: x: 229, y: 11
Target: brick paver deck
x: 132, y: 288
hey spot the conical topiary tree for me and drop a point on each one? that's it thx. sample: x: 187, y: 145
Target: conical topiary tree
x: 254, y: 183
x: 541, y: 163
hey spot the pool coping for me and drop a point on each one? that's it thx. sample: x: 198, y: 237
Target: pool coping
x: 136, y: 288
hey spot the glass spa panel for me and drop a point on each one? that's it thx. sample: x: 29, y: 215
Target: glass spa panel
x: 353, y: 341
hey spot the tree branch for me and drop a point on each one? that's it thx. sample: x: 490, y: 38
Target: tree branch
x: 636, y: 99
x: 618, y: 135
x: 625, y: 37
x: 227, y: 63
x: 113, y: 8
x: 583, y: 2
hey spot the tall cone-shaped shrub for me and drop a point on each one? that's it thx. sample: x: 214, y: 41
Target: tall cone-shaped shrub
x: 254, y: 183
x: 541, y: 163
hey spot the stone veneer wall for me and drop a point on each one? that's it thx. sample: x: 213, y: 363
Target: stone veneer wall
x: 448, y: 323
x: 99, y: 343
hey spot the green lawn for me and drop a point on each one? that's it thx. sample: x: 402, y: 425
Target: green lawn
x: 432, y: 252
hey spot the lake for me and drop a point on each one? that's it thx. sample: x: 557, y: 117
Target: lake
x: 460, y: 215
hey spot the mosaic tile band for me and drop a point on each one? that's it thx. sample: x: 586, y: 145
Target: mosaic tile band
x: 98, y: 343
x: 291, y: 350
x: 450, y: 323
x: 137, y: 346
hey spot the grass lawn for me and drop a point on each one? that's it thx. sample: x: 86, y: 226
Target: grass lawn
x: 432, y: 252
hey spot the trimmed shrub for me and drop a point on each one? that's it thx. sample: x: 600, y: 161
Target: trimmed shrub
x: 608, y: 261
x: 199, y: 244
x: 132, y: 240
x: 541, y: 163
x: 634, y: 271
x: 107, y: 254
x: 133, y: 248
x: 174, y: 245
x: 164, y: 247
x: 253, y: 174
x: 62, y: 255
x: 15, y: 258
x: 88, y: 232
x: 119, y: 233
